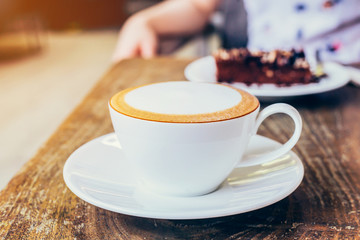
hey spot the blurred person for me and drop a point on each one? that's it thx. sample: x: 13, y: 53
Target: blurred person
x: 326, y: 28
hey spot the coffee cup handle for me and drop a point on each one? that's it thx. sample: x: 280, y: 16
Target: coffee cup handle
x: 285, y: 148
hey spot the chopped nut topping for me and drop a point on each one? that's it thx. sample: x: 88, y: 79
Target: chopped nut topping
x: 276, y: 57
x: 269, y: 73
x: 301, y: 63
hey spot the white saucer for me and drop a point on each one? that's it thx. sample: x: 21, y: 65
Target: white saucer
x: 204, y: 70
x: 97, y: 173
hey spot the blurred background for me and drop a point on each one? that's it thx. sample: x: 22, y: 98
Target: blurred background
x: 51, y: 54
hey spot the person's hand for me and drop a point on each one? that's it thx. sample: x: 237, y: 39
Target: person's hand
x: 136, y: 39
x: 139, y: 35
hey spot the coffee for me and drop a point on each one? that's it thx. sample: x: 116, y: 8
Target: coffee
x: 184, y: 138
x: 184, y: 103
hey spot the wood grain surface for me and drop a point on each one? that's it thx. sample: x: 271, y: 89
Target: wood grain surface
x: 36, y: 204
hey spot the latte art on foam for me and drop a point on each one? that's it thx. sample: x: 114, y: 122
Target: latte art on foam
x: 184, y: 102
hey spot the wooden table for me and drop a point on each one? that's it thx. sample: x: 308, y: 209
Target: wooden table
x: 36, y: 204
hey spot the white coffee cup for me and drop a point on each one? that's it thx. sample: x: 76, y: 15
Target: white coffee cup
x: 184, y: 138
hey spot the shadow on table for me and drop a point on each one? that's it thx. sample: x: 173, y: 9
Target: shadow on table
x: 328, y: 100
x: 268, y: 221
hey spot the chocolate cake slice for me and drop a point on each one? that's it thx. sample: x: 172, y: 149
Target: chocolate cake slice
x: 279, y: 67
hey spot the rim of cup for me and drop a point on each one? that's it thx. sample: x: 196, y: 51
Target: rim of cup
x: 240, y: 106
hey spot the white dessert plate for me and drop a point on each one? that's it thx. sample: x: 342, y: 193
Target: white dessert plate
x: 98, y: 174
x: 204, y: 70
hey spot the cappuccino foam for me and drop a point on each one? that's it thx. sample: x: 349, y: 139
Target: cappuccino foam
x: 184, y: 102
